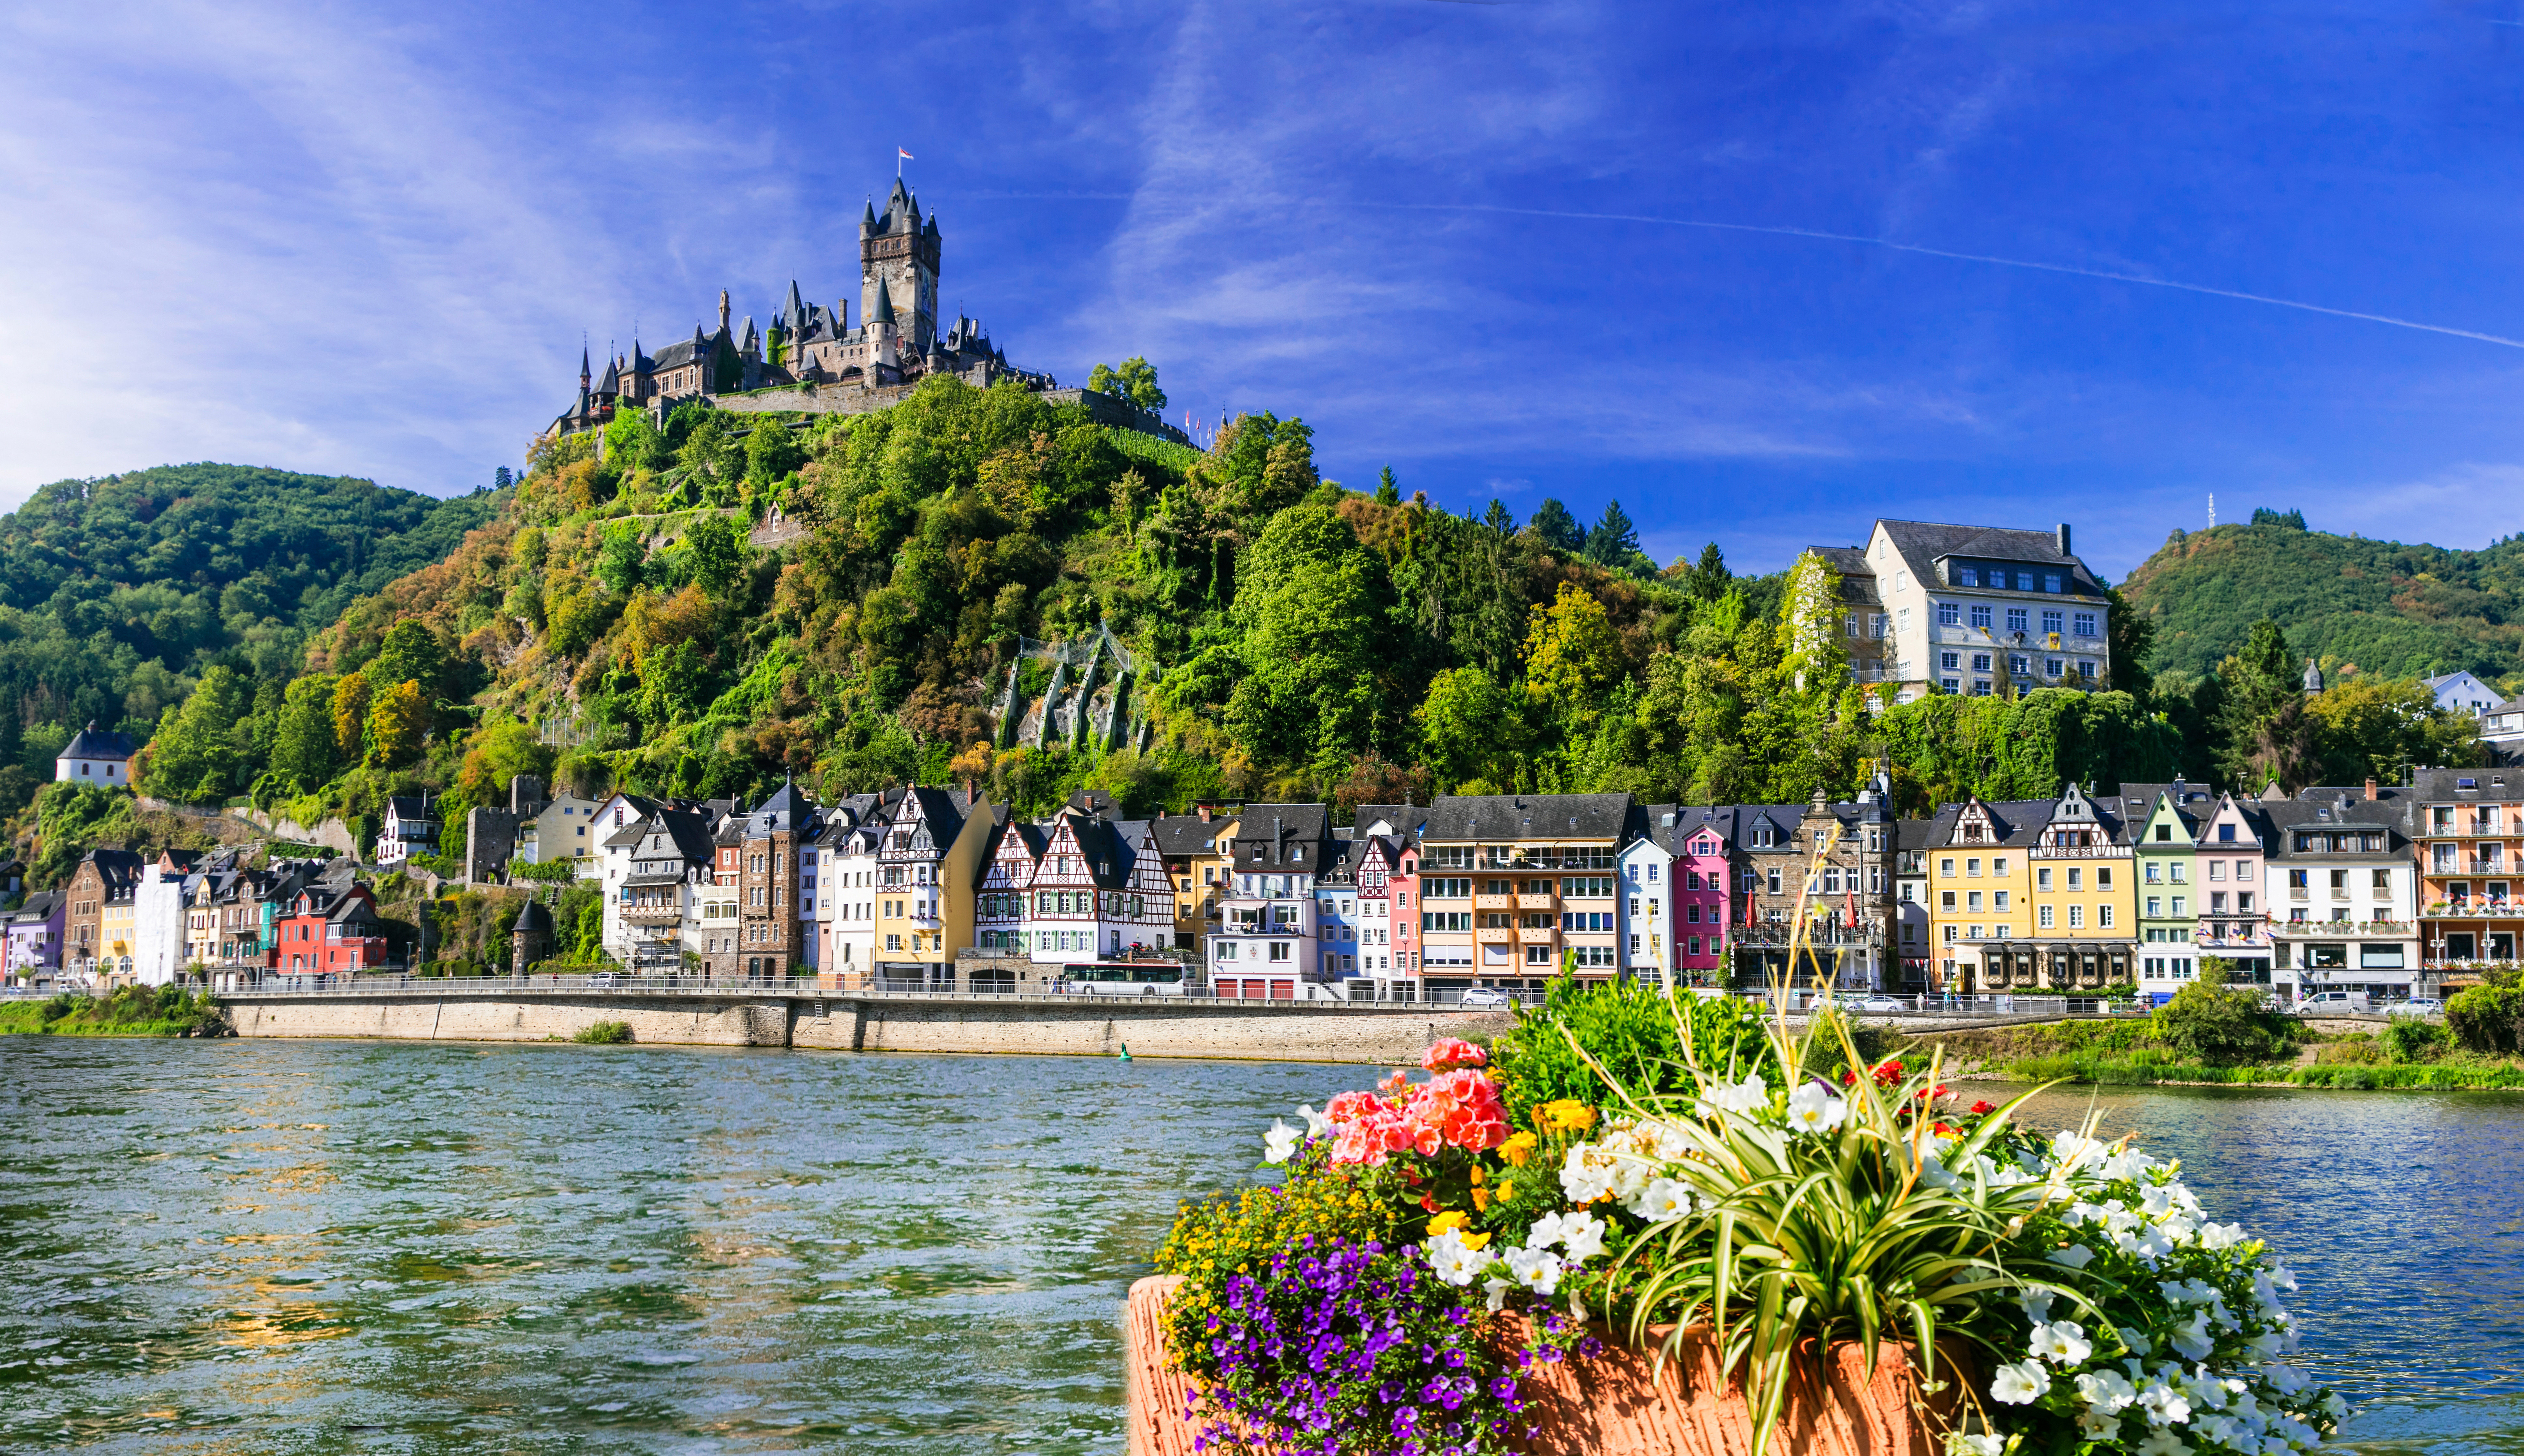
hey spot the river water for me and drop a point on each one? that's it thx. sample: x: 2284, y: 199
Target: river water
x: 272, y: 1247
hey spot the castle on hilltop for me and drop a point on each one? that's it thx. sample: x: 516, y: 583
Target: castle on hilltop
x: 812, y: 354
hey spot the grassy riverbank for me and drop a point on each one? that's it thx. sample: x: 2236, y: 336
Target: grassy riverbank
x: 2142, y: 1067
x: 131, y: 1011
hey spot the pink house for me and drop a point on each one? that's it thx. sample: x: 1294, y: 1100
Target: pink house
x: 1702, y: 875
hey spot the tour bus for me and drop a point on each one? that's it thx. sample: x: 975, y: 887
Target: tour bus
x: 1122, y: 978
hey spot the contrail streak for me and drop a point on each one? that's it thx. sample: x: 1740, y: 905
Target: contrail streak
x: 2045, y: 267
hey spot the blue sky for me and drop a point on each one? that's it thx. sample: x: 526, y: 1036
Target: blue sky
x: 1760, y: 273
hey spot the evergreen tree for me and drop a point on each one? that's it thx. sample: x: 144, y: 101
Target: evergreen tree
x: 1387, y: 493
x: 500, y: 478
x: 1614, y: 541
x: 1710, y: 577
x: 1557, y: 528
x: 1501, y: 518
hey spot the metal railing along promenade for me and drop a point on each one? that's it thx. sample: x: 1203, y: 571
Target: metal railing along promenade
x: 623, y: 983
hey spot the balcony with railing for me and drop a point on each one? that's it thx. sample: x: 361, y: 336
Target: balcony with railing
x: 2474, y: 909
x: 2333, y: 930
x: 1535, y: 902
x: 1777, y: 933
x: 1535, y: 935
x: 653, y: 912
x: 1493, y: 901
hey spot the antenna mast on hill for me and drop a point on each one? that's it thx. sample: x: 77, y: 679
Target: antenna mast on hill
x: 2212, y: 511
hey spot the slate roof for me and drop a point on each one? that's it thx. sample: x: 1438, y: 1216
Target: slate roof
x: 42, y: 905
x: 2018, y: 823
x: 1503, y: 817
x: 1923, y: 543
x: 786, y: 811
x: 2288, y: 817
x: 1284, y: 836
x: 2498, y: 785
x: 1672, y: 825
x: 534, y: 919
x: 1182, y: 836
x: 1406, y: 818
x: 92, y: 742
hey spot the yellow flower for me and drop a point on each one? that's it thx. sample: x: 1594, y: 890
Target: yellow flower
x: 1477, y: 1178
x: 1481, y: 1199
x: 1476, y: 1240
x: 1450, y: 1219
x: 1567, y: 1115
x: 1518, y: 1149
x: 1506, y: 1192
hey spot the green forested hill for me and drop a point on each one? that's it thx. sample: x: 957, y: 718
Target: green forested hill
x: 2393, y: 610
x: 117, y: 594
x: 612, y: 622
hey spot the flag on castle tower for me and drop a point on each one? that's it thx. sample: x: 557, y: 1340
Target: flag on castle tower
x: 905, y: 156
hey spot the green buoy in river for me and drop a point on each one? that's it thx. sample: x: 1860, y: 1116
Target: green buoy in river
x: 1125, y: 1052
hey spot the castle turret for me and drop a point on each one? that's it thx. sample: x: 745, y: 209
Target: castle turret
x: 881, y: 334
x: 2313, y: 676
x: 722, y: 311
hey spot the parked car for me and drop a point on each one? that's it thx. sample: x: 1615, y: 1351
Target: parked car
x: 1486, y: 995
x: 1883, y: 1005
x: 2332, y: 1002
x: 2416, y: 1005
x: 601, y: 980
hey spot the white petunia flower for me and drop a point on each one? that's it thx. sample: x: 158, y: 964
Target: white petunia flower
x: 2335, y: 1407
x: 1583, y: 1234
x: 1743, y: 1098
x: 1496, y: 1288
x: 1661, y: 1200
x: 1934, y: 1174
x: 2106, y: 1390
x: 2137, y: 1341
x: 1545, y: 1232
x: 2097, y: 1424
x: 2192, y: 1337
x: 1812, y: 1108
x: 2165, y: 1405
x: 2220, y: 1235
x: 1317, y: 1123
x: 1537, y: 1269
x: 2074, y: 1256
x: 2020, y: 1384
x: 1581, y: 1178
x: 2062, y: 1344
x: 2036, y: 1304
x: 1278, y: 1144
x: 1455, y: 1264
x: 1958, y: 1444
x: 2161, y: 1442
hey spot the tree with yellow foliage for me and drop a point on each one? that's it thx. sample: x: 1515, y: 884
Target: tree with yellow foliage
x: 398, y: 720
x: 1572, y: 656
x: 350, y: 714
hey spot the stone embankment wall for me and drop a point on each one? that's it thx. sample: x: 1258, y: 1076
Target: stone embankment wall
x: 836, y: 1022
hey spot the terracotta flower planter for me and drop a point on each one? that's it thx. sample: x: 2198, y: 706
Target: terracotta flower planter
x: 1616, y: 1405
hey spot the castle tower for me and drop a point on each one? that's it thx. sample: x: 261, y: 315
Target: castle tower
x: 880, y: 330
x: 899, y: 256
x: 722, y: 311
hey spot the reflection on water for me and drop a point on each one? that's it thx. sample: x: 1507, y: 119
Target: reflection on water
x: 341, y: 1248
x: 2403, y: 1214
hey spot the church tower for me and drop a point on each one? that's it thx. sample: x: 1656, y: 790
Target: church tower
x: 899, y: 253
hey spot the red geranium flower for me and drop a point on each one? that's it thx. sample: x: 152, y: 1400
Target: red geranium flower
x: 1982, y: 1110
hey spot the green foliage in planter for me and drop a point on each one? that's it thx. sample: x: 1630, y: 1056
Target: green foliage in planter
x: 1633, y: 1032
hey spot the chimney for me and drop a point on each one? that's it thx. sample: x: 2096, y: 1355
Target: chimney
x: 2064, y: 538
x: 1203, y: 811
x: 2370, y: 791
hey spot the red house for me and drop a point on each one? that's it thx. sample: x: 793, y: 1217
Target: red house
x: 330, y: 928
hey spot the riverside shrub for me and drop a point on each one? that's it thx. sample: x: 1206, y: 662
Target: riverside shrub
x: 1631, y: 1030
x: 2209, y: 1021
x: 2489, y: 1018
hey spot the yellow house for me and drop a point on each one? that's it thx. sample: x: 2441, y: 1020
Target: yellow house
x: 1980, y: 889
x: 928, y: 868
x: 2030, y: 895
x: 118, y: 934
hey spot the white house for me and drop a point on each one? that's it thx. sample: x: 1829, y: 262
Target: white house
x: 1646, y: 867
x: 92, y: 756
x: 158, y: 916
x: 845, y: 877
x: 411, y: 828
x: 2462, y: 693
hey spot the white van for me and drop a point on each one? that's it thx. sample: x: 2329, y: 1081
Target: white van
x: 2322, y: 1002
